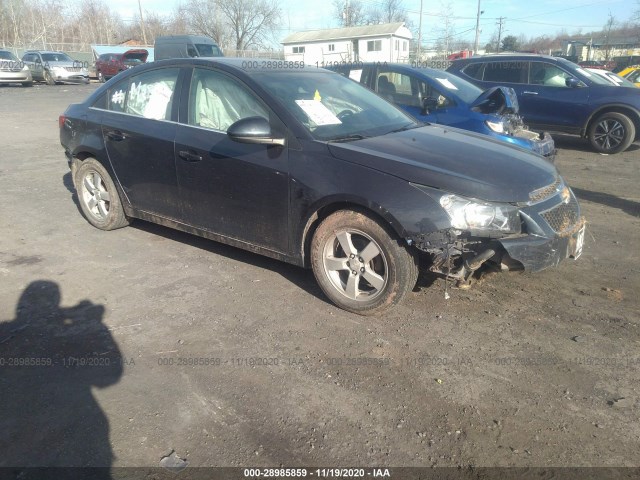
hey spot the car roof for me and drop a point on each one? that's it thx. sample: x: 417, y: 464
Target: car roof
x: 513, y: 56
x: 43, y: 51
x: 245, y: 65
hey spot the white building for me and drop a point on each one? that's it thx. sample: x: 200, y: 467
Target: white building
x: 386, y: 42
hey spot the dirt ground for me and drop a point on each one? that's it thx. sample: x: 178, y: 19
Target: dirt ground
x: 162, y: 342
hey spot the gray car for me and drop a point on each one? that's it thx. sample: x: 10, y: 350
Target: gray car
x: 13, y: 70
x: 55, y: 67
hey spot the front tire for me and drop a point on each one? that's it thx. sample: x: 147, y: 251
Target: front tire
x: 101, y: 78
x: 611, y: 133
x: 359, y: 264
x: 98, y: 197
x: 49, y: 78
x: 27, y: 84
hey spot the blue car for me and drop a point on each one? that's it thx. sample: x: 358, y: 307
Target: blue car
x: 436, y: 96
x: 559, y: 96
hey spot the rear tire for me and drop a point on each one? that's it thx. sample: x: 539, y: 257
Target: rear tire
x: 98, y: 196
x: 611, y: 133
x: 360, y: 264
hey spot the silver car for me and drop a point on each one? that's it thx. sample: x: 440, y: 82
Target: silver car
x: 55, y: 67
x: 13, y: 70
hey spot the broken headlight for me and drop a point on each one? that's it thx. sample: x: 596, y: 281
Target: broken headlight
x: 498, y: 127
x: 478, y: 217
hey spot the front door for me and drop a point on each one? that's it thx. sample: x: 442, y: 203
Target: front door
x: 237, y: 190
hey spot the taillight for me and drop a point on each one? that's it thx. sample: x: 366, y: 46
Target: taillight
x: 61, y: 120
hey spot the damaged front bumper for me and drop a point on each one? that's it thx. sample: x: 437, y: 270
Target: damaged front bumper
x: 552, y: 230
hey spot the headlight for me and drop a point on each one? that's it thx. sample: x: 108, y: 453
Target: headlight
x: 56, y: 67
x: 497, y: 127
x: 475, y: 216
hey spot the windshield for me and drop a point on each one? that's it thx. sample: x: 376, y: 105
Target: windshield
x: 56, y: 57
x: 466, y: 91
x: 207, y: 50
x: 4, y: 55
x: 332, y: 107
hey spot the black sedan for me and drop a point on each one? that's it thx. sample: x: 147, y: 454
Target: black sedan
x: 304, y: 165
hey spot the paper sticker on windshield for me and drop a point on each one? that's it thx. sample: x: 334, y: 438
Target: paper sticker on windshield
x: 318, y: 113
x: 447, y: 83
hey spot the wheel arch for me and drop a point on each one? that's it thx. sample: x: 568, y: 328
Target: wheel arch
x: 82, y: 154
x: 627, y: 110
x: 327, y: 206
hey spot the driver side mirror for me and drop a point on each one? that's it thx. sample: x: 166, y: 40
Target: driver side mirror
x: 429, y: 104
x: 572, y: 82
x: 253, y: 130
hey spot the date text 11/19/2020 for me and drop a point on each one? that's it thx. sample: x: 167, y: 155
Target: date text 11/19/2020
x: 316, y: 472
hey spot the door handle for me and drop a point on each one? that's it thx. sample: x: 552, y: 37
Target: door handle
x: 189, y: 156
x: 526, y: 92
x: 116, y: 135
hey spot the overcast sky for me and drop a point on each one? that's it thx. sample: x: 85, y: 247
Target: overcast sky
x: 532, y: 18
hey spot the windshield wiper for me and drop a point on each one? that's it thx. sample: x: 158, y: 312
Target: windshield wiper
x: 410, y: 126
x: 348, y: 138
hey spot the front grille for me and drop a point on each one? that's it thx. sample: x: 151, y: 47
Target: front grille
x: 564, y: 216
x: 73, y: 69
x: 545, y: 192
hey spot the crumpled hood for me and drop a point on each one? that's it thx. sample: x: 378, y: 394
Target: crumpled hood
x: 453, y: 160
x: 498, y: 100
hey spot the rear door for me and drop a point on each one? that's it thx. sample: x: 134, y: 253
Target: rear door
x: 139, y: 129
x: 237, y: 190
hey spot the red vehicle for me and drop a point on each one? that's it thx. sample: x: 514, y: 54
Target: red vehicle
x: 110, y: 64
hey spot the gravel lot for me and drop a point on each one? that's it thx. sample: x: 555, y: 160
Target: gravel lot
x: 162, y: 342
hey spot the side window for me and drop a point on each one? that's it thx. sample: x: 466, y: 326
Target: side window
x: 397, y: 87
x: 101, y: 102
x: 427, y: 91
x: 547, y: 74
x: 192, y: 52
x: 217, y: 101
x: 634, y: 76
x: 151, y: 94
x: 117, y: 96
x: 507, y: 71
x: 474, y: 70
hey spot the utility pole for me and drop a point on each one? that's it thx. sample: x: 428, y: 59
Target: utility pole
x: 500, y: 22
x: 475, y: 44
x: 419, y: 34
x: 347, y: 17
x: 144, y: 33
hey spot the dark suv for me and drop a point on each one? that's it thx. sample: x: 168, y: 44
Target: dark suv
x: 557, y: 95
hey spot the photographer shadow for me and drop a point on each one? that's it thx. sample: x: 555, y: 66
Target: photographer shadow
x: 50, y: 358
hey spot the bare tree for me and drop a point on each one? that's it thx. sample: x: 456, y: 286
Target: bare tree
x: 252, y: 22
x: 389, y: 12
x: 349, y: 13
x: 203, y: 17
